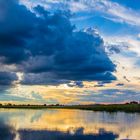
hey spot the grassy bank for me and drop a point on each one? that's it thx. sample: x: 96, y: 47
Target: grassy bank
x: 99, y: 107
x: 108, y: 108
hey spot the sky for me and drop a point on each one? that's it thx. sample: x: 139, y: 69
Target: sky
x: 69, y: 51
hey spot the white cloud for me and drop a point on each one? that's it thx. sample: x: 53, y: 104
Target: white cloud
x: 127, y: 58
x: 113, y: 11
x: 110, y: 10
x: 130, y: 41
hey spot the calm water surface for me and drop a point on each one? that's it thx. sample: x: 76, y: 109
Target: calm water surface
x: 67, y: 125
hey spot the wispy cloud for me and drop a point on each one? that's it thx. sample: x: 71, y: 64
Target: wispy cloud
x: 127, y: 43
x: 108, y: 9
x: 111, y: 10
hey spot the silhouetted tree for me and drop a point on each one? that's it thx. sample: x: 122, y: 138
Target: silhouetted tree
x: 134, y: 102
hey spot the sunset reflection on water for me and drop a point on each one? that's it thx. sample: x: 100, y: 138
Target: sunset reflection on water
x: 69, y: 124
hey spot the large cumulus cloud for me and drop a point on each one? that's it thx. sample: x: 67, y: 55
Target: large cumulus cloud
x: 47, y: 48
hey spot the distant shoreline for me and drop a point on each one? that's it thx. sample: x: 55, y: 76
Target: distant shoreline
x: 132, y: 108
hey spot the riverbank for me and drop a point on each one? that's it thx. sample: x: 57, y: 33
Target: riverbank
x: 96, y: 107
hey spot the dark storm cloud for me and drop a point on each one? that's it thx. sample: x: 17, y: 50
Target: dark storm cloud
x: 41, y: 79
x: 16, y: 24
x: 53, y: 79
x: 48, y: 49
x: 7, y: 78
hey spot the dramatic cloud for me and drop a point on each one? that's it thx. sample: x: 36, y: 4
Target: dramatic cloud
x: 7, y: 78
x: 47, y: 48
x: 16, y: 24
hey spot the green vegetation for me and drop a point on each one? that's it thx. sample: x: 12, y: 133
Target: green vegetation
x: 108, y: 108
x: 128, y: 107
